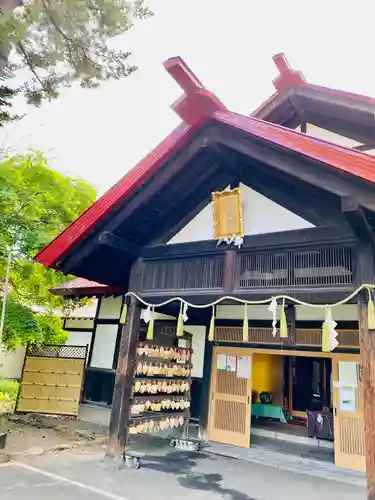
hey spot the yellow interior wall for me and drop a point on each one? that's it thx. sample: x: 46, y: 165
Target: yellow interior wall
x: 268, y: 375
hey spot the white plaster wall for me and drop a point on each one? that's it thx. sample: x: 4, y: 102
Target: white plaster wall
x: 260, y: 215
x: 11, y: 363
x: 82, y: 338
x: 104, y: 346
x: 326, y: 135
x: 341, y: 313
x: 157, y: 315
x: 110, y: 307
x: 198, y: 343
x: 79, y: 323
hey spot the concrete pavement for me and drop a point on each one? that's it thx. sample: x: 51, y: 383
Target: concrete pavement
x: 175, y: 475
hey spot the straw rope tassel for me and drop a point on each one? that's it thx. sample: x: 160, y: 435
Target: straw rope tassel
x: 326, y: 334
x: 211, y: 331
x: 124, y: 314
x: 151, y: 323
x: 180, y: 322
x: 245, y: 327
x: 283, y: 323
x: 370, y: 312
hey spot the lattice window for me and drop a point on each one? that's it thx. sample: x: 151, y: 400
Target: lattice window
x: 57, y: 351
x: 184, y: 274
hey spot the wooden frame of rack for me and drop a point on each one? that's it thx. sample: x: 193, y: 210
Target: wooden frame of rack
x: 160, y: 398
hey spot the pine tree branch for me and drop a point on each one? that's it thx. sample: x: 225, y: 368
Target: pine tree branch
x: 32, y: 67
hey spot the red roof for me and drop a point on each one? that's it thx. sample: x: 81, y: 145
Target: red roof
x: 196, y: 107
x: 289, y: 78
x: 82, y: 286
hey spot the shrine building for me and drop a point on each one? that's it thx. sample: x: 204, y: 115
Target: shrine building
x: 267, y: 219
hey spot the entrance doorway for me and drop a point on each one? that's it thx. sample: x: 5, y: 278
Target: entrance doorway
x: 316, y: 382
x: 307, y: 384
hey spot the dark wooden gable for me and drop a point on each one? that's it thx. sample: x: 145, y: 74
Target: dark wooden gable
x: 298, y: 102
x: 216, y: 156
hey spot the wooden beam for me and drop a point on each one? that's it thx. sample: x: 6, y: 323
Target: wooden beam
x: 163, y: 177
x: 142, y: 197
x: 114, y: 241
x: 295, y: 165
x: 168, y: 235
x: 176, y: 220
x: 357, y: 220
x: 365, y: 133
x: 118, y: 426
x: 229, y: 270
x: 290, y: 313
x: 308, y: 202
x: 299, y: 238
x: 365, y: 147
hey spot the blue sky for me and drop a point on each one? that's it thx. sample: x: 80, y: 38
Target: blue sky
x: 100, y: 134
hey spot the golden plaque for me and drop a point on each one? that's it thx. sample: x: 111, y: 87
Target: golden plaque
x: 227, y: 212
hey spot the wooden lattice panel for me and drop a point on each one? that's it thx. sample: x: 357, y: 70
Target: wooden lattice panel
x: 230, y: 407
x: 352, y: 436
x: 256, y: 335
x: 311, y: 337
x: 229, y: 383
x: 230, y: 416
x: 349, y: 425
x: 51, y: 383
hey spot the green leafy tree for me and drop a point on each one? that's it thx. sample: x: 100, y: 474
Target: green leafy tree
x: 36, y: 203
x: 62, y: 41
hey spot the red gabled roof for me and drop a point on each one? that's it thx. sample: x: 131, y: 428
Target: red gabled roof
x: 82, y: 286
x: 289, y: 78
x: 195, y: 107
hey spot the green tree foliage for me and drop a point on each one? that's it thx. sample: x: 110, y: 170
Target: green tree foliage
x: 62, y: 41
x: 36, y: 203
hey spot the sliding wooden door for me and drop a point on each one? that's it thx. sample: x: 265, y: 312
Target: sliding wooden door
x: 348, y: 413
x: 230, y: 401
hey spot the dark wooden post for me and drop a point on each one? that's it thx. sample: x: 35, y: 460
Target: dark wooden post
x: 118, y: 429
x: 290, y: 313
x: 229, y: 270
x: 206, y: 385
x: 365, y: 273
x: 367, y: 349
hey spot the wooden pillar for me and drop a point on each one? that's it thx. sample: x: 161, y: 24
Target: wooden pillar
x: 205, y: 394
x: 367, y: 349
x: 229, y: 270
x: 290, y: 313
x: 365, y: 273
x: 118, y: 429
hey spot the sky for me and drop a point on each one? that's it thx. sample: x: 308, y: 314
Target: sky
x: 100, y: 134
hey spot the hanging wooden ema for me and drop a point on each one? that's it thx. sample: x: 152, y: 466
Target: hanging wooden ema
x: 227, y: 213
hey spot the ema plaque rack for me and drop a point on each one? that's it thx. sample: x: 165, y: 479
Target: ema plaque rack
x: 161, y: 395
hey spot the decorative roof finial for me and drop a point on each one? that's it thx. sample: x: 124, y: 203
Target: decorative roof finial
x: 288, y: 77
x: 197, y: 102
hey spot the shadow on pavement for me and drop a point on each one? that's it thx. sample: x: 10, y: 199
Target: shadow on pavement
x: 181, y: 464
